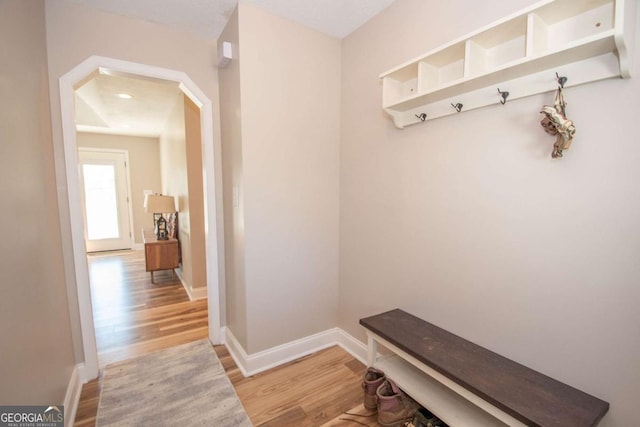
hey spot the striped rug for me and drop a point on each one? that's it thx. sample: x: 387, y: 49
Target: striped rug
x: 180, y: 386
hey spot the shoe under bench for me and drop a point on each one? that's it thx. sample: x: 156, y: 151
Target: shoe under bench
x: 465, y: 384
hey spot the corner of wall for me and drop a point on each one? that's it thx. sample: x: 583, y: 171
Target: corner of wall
x: 251, y: 364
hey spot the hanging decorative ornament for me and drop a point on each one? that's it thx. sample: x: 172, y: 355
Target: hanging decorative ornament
x: 555, y: 123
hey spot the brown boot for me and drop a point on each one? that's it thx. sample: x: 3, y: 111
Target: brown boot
x: 370, y: 383
x: 394, y: 407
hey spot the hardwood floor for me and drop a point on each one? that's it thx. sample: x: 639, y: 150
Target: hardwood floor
x: 315, y: 390
x: 133, y: 316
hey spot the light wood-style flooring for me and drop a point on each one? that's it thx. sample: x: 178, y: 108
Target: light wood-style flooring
x: 133, y: 316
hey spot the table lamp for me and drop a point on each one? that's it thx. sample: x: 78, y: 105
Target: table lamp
x: 157, y: 204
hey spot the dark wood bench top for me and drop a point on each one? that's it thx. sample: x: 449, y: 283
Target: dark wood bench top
x: 529, y: 396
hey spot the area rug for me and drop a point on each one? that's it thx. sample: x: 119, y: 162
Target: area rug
x: 180, y: 386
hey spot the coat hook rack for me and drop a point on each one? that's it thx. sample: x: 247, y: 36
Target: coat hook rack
x: 504, y: 95
x: 422, y: 116
x: 458, y: 106
x: 561, y: 80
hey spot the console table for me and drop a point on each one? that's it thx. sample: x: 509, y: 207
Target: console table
x: 160, y: 254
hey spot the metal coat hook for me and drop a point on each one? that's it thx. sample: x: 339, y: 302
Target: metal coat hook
x: 457, y: 106
x: 561, y: 80
x: 504, y: 95
x: 422, y: 116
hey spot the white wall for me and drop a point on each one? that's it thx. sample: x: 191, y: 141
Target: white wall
x: 173, y: 160
x: 468, y: 223
x: 76, y: 32
x: 181, y: 159
x: 289, y: 91
x: 36, y: 349
x: 193, y: 138
x: 231, y: 135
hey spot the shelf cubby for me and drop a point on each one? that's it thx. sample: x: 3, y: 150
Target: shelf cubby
x: 564, y: 22
x: 588, y: 40
x: 400, y: 84
x: 500, y: 45
x: 442, y: 67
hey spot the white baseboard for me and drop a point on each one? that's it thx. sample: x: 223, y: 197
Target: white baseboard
x: 195, y: 293
x: 72, y: 396
x: 353, y: 346
x: 252, y: 364
x: 137, y: 247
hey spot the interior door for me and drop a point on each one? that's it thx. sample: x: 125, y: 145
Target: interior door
x: 104, y: 189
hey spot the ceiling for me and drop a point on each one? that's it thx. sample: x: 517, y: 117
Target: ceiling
x: 207, y: 18
x: 125, y: 105
x: 98, y: 107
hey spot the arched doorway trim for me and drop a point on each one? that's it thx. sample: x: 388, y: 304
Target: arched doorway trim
x: 67, y: 84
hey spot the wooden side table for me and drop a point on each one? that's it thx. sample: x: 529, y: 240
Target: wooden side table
x: 160, y: 254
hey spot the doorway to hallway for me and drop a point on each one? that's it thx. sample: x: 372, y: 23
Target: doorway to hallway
x: 77, y: 255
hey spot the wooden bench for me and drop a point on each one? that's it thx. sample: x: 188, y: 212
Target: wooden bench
x: 467, y: 385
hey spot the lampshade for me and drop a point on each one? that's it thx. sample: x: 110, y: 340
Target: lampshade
x: 156, y: 203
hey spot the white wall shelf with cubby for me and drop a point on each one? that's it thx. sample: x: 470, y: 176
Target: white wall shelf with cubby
x: 582, y: 40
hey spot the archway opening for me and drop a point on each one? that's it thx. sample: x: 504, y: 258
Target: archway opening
x: 70, y: 81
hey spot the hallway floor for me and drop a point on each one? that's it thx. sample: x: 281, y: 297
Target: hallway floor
x: 133, y: 316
